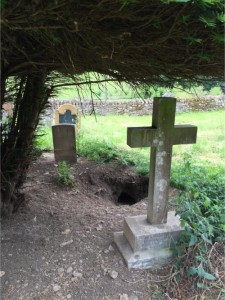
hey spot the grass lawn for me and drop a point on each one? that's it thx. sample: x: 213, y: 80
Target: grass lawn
x: 210, y: 146
x: 210, y: 142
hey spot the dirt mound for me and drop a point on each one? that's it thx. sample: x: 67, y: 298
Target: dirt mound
x: 112, y: 182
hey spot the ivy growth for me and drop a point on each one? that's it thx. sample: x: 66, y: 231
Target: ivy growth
x: 201, y: 207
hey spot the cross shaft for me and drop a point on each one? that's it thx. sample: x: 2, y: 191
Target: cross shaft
x: 161, y: 137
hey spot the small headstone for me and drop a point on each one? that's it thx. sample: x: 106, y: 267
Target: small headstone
x: 68, y: 120
x: 64, y: 143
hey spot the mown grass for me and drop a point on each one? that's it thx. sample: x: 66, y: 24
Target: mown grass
x: 112, y: 130
x: 210, y: 144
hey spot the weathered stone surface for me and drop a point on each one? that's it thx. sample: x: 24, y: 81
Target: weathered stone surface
x: 140, y: 107
x: 160, y: 137
x: 146, y: 136
x: 142, y: 236
x: 64, y: 142
x: 145, y: 245
x: 147, y: 259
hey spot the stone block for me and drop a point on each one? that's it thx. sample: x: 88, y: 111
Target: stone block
x: 142, y: 236
x: 147, y: 259
x: 143, y: 245
x: 64, y: 142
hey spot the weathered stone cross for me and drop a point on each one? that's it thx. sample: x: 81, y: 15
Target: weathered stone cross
x: 161, y: 137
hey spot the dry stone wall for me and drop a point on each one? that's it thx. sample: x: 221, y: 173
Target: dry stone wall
x: 139, y: 107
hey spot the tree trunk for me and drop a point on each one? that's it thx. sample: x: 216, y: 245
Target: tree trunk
x: 17, y: 146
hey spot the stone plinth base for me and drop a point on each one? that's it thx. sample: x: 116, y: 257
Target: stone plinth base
x: 147, y: 246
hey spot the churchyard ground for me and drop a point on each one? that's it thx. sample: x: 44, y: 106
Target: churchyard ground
x: 60, y: 244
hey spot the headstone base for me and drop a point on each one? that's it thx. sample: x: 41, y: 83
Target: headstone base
x: 146, y: 259
x: 146, y: 246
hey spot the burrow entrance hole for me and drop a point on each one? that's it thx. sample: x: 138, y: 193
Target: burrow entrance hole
x: 126, y: 199
x: 129, y: 193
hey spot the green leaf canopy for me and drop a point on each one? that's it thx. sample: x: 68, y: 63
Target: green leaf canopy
x: 138, y: 41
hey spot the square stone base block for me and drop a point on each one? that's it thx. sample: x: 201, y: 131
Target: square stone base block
x: 147, y: 246
x: 142, y: 236
x: 146, y: 259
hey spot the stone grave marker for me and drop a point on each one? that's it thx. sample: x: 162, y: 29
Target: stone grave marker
x: 68, y: 114
x: 64, y: 142
x: 146, y: 240
x: 67, y: 120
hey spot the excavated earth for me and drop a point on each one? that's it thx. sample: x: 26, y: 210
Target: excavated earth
x: 59, y: 244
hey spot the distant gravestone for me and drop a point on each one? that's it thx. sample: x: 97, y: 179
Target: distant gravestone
x: 146, y: 240
x: 64, y: 142
x: 68, y: 114
x: 67, y: 120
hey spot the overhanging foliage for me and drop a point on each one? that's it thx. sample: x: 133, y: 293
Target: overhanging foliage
x: 138, y: 41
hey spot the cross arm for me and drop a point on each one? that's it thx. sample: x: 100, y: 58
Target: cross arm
x: 140, y: 136
x: 184, y: 134
x: 145, y: 136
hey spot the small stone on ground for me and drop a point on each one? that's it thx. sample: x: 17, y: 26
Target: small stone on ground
x: 113, y: 274
x: 56, y: 287
x: 124, y: 297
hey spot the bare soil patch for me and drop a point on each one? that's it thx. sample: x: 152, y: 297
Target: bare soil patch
x: 59, y: 245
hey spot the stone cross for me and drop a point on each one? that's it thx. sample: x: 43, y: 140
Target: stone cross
x: 161, y: 137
